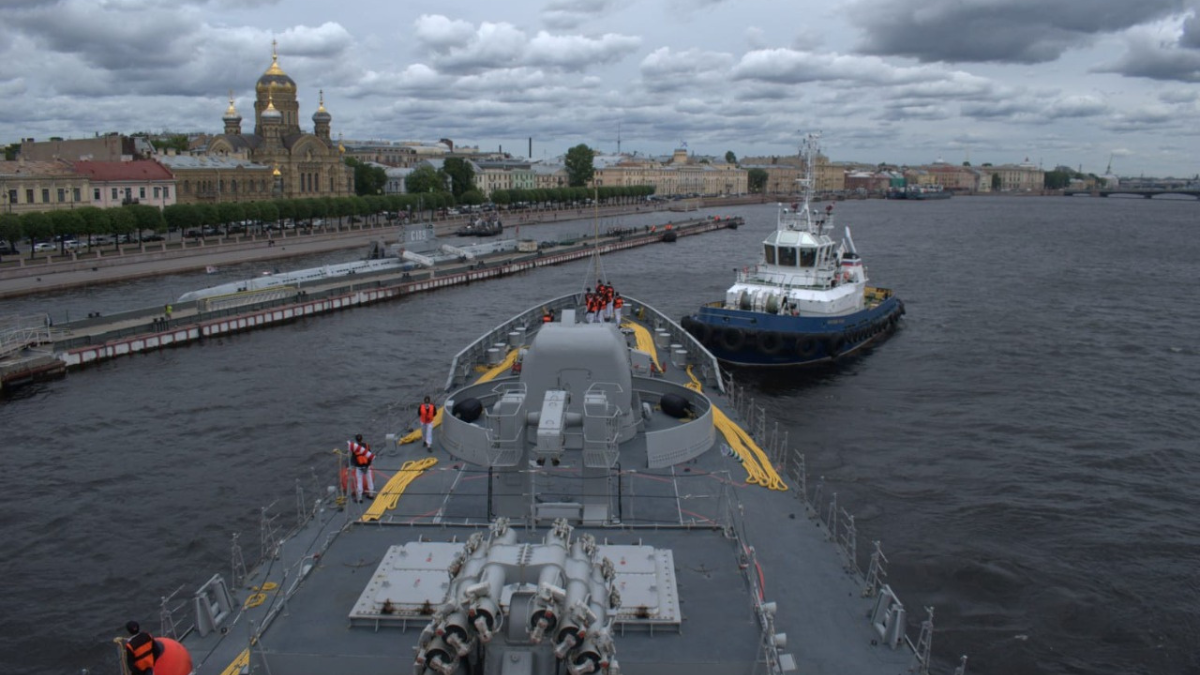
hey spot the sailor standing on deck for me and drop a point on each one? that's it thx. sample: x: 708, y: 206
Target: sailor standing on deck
x: 427, y: 411
x: 361, y: 458
x: 141, y: 650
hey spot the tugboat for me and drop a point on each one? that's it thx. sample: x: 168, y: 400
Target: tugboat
x: 807, y: 300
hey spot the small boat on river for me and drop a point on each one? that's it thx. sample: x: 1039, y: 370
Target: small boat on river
x: 808, y: 300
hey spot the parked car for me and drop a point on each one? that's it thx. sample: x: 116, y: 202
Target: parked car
x: 45, y: 246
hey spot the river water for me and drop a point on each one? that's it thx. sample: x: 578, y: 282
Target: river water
x: 1025, y: 447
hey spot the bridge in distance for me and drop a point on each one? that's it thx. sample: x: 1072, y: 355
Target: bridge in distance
x: 1148, y: 193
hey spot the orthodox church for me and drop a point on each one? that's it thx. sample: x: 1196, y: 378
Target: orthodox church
x: 305, y: 165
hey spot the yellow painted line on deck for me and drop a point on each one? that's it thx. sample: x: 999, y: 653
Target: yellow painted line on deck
x: 240, y: 662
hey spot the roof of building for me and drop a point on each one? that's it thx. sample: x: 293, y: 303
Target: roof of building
x: 135, y: 170
x: 192, y: 162
x: 35, y: 168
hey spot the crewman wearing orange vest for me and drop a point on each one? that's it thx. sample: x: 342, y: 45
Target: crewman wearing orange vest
x: 361, y: 458
x: 618, y: 303
x: 427, y: 411
x: 589, y: 304
x: 141, y: 650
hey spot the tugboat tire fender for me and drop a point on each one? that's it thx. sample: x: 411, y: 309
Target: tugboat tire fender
x: 699, y: 330
x: 834, y: 345
x: 733, y: 339
x: 806, y: 346
x: 769, y: 342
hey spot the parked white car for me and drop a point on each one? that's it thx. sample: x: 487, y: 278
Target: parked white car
x: 45, y: 246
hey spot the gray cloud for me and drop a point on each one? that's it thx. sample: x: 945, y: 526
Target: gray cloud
x: 1147, y: 55
x: 1020, y: 31
x: 571, y: 14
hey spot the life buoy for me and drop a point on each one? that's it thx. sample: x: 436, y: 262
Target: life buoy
x: 732, y: 339
x: 769, y: 342
x: 806, y: 346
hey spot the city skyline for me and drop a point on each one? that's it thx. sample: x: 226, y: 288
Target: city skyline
x: 896, y: 81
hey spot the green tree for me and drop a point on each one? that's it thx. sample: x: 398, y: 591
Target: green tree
x: 10, y: 228
x: 1056, y: 180
x: 66, y: 222
x: 472, y: 197
x: 208, y: 214
x: 11, y: 151
x: 95, y: 221
x: 422, y: 180
x: 36, y: 225
x: 286, y: 210
x: 176, y: 142
x: 756, y: 180
x: 181, y: 217
x: 123, y: 220
x: 730, y: 158
x: 368, y: 180
x: 147, y: 218
x: 997, y: 183
x: 268, y: 212
x: 580, y: 169
x: 461, y: 173
x: 230, y: 213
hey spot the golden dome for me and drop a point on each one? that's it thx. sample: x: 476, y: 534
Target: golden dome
x: 322, y: 115
x: 231, y: 112
x: 271, y: 111
x: 275, y: 77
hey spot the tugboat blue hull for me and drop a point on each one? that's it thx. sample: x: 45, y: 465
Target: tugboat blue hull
x: 748, y: 338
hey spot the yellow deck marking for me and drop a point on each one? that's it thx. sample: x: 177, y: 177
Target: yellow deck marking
x: 415, y: 435
x: 389, y: 496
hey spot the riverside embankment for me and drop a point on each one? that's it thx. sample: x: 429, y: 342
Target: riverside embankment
x: 48, y: 351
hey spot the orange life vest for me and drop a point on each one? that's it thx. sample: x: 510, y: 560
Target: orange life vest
x: 618, y: 302
x: 547, y: 318
x: 362, y: 453
x: 141, y: 646
x: 427, y: 411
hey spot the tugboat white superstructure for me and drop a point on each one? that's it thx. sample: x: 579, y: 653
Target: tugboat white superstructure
x: 807, y: 300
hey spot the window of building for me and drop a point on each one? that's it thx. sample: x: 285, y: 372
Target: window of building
x: 12, y: 196
x: 166, y: 192
x: 95, y: 194
x: 157, y: 192
x: 187, y: 186
x: 28, y: 195
x: 142, y: 192
x: 62, y: 195
x: 114, y: 194
x: 45, y: 195
x: 75, y: 194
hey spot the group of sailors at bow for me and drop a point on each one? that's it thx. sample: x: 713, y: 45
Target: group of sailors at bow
x: 603, y: 304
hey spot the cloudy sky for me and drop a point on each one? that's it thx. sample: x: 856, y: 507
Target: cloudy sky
x: 1071, y: 82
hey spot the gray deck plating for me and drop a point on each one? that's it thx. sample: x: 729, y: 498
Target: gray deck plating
x: 335, y: 573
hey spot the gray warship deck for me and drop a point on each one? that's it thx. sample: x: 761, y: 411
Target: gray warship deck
x: 711, y: 570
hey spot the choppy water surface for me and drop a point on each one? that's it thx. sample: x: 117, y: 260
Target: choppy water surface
x: 1025, y: 447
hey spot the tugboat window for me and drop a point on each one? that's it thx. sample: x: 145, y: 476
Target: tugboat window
x: 808, y: 257
x: 787, y: 256
x: 770, y: 254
